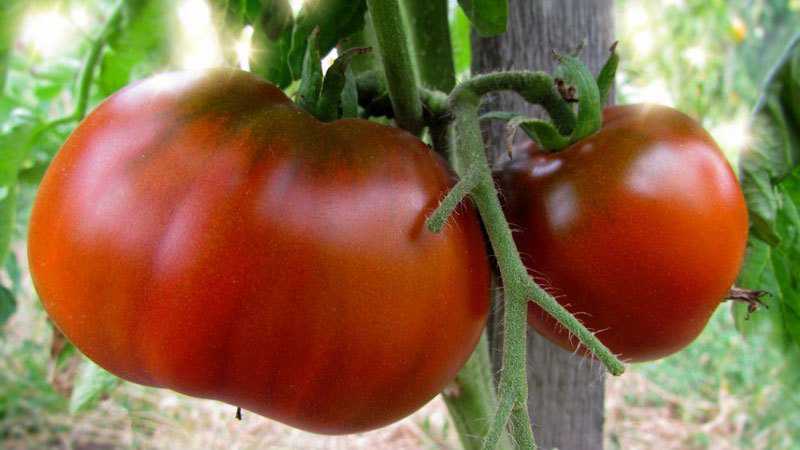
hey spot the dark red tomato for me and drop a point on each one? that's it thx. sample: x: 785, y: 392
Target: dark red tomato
x: 639, y: 230
x: 204, y: 234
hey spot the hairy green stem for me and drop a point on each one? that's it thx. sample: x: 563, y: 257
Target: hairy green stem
x: 471, y: 399
x: 450, y: 202
x: 400, y: 77
x: 471, y: 162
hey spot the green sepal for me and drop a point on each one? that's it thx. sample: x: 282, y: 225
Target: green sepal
x: 590, y: 110
x: 333, y: 86
x: 607, y: 75
x: 311, y: 79
x: 545, y: 134
x: 350, y: 95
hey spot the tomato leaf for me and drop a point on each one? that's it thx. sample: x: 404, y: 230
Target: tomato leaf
x: 776, y: 144
x: 272, y: 34
x: 276, y: 18
x: 14, y: 145
x: 489, y: 17
x: 770, y: 176
x: 335, y: 19
x: 138, y: 47
x: 92, y: 384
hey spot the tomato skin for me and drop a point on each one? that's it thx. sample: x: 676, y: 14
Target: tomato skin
x: 204, y: 234
x: 639, y: 229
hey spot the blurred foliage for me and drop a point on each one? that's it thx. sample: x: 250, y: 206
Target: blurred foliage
x: 706, y: 58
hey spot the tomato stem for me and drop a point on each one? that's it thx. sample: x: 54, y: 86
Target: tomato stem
x: 86, y: 76
x: 471, y: 163
x: 398, y: 68
x: 471, y: 399
x: 450, y: 202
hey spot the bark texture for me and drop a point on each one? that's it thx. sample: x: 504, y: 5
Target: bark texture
x: 566, y: 391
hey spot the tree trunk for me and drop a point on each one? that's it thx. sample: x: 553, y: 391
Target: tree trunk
x: 566, y: 391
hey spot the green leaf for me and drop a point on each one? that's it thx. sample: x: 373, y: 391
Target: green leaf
x: 336, y: 19
x: 770, y: 176
x: 272, y: 57
x: 92, y: 384
x: 8, y: 305
x: 14, y: 147
x: 139, y: 47
x: 489, y: 17
x: 776, y: 147
x: 272, y: 35
x: 277, y: 18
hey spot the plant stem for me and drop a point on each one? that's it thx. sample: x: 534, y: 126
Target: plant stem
x: 472, y: 399
x: 87, y: 73
x: 86, y: 76
x: 400, y: 77
x: 538, y: 88
x: 430, y: 35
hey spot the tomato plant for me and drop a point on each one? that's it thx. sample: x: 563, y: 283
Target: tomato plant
x: 639, y: 230
x: 202, y: 233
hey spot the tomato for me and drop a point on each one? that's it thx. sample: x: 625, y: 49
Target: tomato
x: 639, y: 230
x: 204, y: 234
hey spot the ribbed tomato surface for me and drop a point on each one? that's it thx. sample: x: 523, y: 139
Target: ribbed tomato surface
x: 202, y: 233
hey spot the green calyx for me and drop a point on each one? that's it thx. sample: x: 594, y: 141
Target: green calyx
x: 576, y: 85
x: 334, y: 95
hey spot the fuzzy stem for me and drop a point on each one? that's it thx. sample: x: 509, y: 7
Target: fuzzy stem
x: 451, y: 201
x: 535, y: 87
x: 499, y: 423
x: 400, y: 77
x: 472, y: 400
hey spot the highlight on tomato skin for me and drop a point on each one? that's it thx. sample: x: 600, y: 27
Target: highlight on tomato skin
x: 204, y: 234
x: 639, y: 230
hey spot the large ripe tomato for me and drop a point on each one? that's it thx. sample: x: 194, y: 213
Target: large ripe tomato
x: 639, y: 229
x: 204, y: 234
